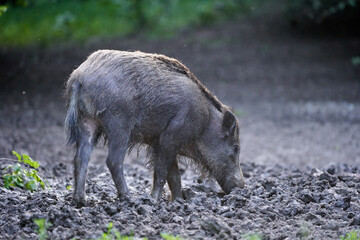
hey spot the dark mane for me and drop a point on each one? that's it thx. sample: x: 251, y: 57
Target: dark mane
x: 177, y: 66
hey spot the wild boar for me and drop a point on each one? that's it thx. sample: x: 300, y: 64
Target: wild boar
x: 136, y: 97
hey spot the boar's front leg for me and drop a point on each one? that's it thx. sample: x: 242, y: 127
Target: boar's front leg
x: 164, y: 159
x: 174, y: 181
x: 114, y: 161
x: 166, y: 149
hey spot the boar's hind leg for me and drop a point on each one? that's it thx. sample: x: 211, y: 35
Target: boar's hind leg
x: 118, y: 138
x: 84, y: 146
x: 174, y: 181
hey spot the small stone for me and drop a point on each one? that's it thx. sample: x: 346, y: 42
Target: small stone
x: 224, y: 209
x: 194, y: 218
x: 177, y: 219
x: 229, y: 214
x: 342, y: 202
x: 311, y: 217
x: 292, y: 209
x: 269, y: 184
x: 330, y: 179
x: 331, y: 170
x: 306, y: 196
x: 141, y: 211
x: 188, y: 194
x: 332, y: 225
x: 110, y: 210
x: 355, y: 221
x: 214, y: 226
x: 147, y: 230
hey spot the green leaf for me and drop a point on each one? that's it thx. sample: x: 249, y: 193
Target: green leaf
x: 22, y: 177
x: 68, y: 187
x: 353, y: 235
x: 111, y: 224
x: 31, y: 185
x: 252, y: 236
x: 167, y: 236
x: 7, y: 180
x: 17, y: 168
x: 19, y: 181
x: 43, y: 225
x: 39, y: 180
x: 40, y: 223
x: 105, y: 236
x: 36, y: 176
x: 26, y: 158
x: 17, y: 155
x: 29, y: 161
x: 118, y: 235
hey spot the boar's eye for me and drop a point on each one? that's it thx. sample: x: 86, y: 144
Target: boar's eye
x: 236, y: 148
x: 235, y: 153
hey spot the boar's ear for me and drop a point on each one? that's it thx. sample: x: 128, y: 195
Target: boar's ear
x: 229, y: 123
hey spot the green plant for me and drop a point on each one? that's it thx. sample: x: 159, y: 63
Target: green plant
x: 24, y: 177
x: 304, y: 231
x: 353, y: 235
x: 113, y: 233
x: 43, y: 225
x: 167, y: 236
x: 252, y: 236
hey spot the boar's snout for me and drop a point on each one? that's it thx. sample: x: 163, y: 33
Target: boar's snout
x: 233, y: 182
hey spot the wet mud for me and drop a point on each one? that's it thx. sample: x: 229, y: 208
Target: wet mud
x: 278, y: 203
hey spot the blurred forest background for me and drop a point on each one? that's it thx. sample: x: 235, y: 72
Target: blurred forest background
x: 46, y: 22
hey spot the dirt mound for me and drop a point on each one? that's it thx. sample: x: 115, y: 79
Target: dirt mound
x: 278, y: 203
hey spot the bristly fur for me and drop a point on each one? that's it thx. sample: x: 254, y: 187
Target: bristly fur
x: 71, y: 120
x: 177, y: 66
x: 166, y: 63
x: 194, y: 163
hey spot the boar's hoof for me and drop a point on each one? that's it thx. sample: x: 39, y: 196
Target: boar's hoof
x: 124, y: 198
x: 156, y: 194
x: 79, y: 202
x: 178, y: 199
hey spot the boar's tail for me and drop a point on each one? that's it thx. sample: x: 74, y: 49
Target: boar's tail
x: 71, y: 121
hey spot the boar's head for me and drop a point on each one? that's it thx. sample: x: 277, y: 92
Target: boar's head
x: 219, y: 150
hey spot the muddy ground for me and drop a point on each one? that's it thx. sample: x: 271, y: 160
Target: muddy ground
x: 298, y: 101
